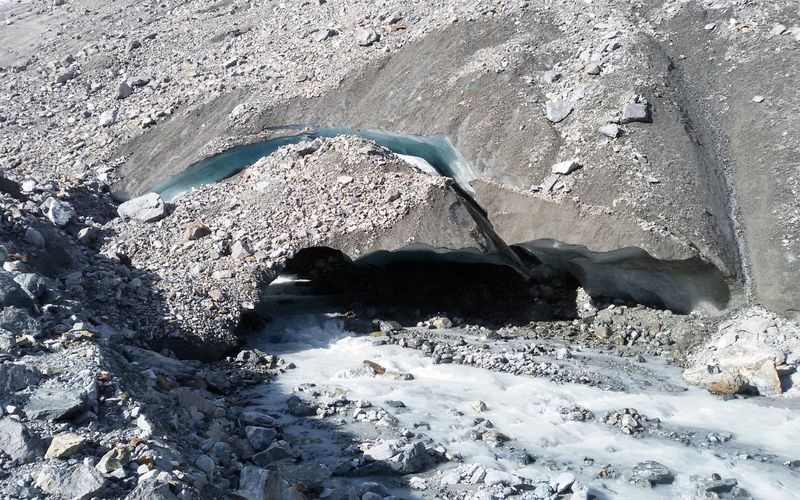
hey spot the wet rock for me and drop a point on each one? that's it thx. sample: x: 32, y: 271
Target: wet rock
x: 301, y: 408
x: 79, y: 482
x: 147, y: 208
x: 273, y: 454
x: 14, y: 377
x: 366, y: 36
x: 307, y: 475
x: 58, y: 212
x: 256, y: 483
x: 650, y: 473
x: 256, y: 418
x: 17, y: 441
x: 414, y: 458
x: 636, y: 112
x: 576, y: 414
x: 260, y: 437
x: 64, y: 445
x: 12, y: 295
x: 726, y: 385
x: 152, y: 489
x: 557, y: 111
x: 55, y: 404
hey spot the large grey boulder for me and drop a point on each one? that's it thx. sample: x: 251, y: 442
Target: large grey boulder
x: 79, y: 482
x: 55, y: 404
x: 12, y: 295
x: 256, y: 483
x: 14, y: 377
x: 17, y: 442
x: 147, y: 208
x: 20, y: 322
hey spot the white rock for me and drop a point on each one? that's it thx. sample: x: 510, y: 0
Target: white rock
x: 147, y: 208
x: 58, y: 212
x: 566, y: 167
x: 108, y: 118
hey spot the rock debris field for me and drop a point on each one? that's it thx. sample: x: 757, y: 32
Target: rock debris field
x: 551, y: 251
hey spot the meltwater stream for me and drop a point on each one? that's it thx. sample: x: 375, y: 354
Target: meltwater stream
x: 310, y: 333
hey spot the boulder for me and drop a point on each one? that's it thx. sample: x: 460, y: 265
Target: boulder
x: 55, y: 404
x: 79, y: 482
x: 12, y: 294
x: 256, y: 483
x: 260, y: 437
x: 17, y: 442
x: 58, y: 212
x: 414, y: 458
x: 64, y: 445
x: 650, y: 473
x: 15, y: 377
x: 146, y: 208
x: 274, y: 453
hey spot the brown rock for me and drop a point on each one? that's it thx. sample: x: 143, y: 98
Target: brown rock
x: 726, y: 385
x: 64, y: 445
x: 375, y: 367
x: 195, y: 231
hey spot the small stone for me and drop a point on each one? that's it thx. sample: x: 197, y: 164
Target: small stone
x: 778, y: 29
x: 611, y: 130
x: 636, y: 112
x: 479, y: 406
x: 206, y: 464
x: 138, y: 81
x: 124, y: 91
x: 710, y: 26
x: 107, y: 118
x: 365, y: 37
x: 593, y: 69
x: 322, y: 34
x: 344, y: 180
x: 64, y: 445
x: 758, y: 98
x: 565, y: 167
x: 552, y: 75
x: 556, y: 111
x: 114, y: 459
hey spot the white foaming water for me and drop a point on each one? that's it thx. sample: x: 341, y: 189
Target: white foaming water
x: 526, y: 409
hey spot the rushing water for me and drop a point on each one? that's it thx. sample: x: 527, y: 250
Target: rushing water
x: 306, y: 332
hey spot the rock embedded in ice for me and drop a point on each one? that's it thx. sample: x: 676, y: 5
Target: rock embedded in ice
x: 556, y: 111
x: 146, y: 208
